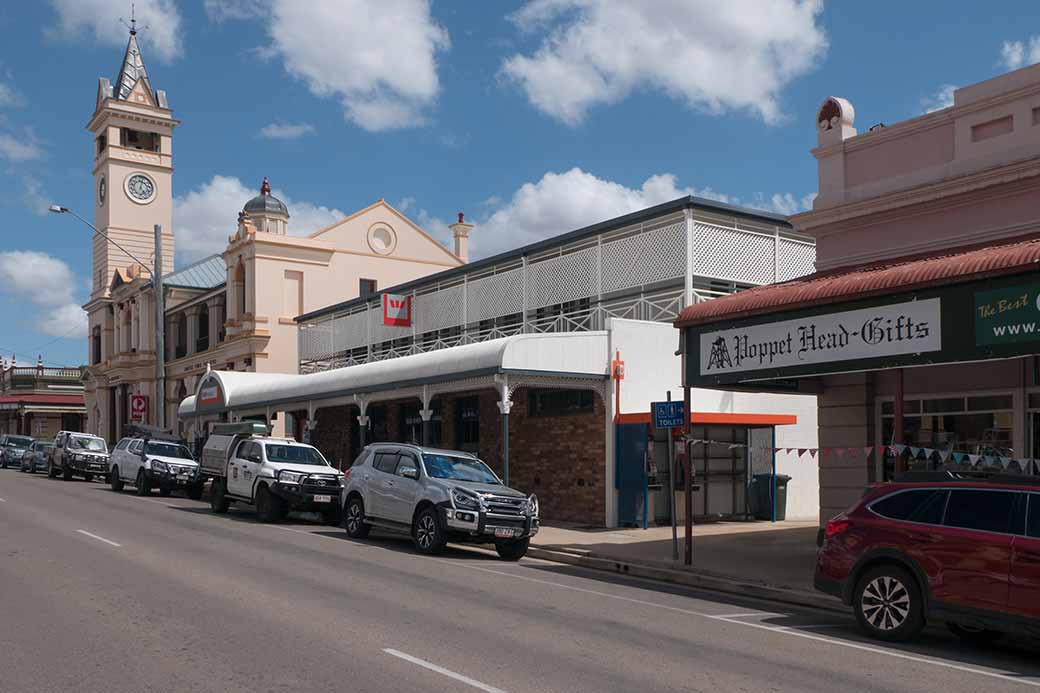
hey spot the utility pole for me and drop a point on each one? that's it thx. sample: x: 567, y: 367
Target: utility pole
x: 160, y: 332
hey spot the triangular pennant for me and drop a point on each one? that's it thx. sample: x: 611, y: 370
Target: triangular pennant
x: 928, y: 452
x: 840, y: 452
x: 944, y: 455
x: 974, y: 459
x: 914, y: 452
x: 899, y: 449
x: 812, y: 452
x: 868, y: 451
x: 802, y: 451
x: 824, y: 452
x: 1005, y: 462
x: 853, y: 452
x: 789, y: 450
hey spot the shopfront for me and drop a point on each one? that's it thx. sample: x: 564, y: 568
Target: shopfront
x: 924, y: 364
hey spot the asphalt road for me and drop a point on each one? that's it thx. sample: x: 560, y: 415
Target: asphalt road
x: 110, y: 592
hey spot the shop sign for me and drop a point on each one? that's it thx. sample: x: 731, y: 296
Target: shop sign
x: 397, y: 310
x: 912, y: 327
x: 1007, y: 316
x: 138, y: 408
x: 210, y: 395
x: 669, y: 414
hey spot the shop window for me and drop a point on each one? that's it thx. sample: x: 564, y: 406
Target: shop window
x: 467, y: 424
x: 202, y: 329
x: 378, y: 430
x: 411, y: 425
x: 559, y: 402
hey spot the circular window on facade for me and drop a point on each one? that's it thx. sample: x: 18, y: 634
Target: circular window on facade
x: 382, y: 239
x: 140, y: 188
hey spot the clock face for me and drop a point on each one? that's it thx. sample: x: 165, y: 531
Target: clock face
x: 140, y: 187
x: 102, y: 190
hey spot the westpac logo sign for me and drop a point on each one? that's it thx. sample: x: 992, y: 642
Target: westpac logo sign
x: 397, y: 310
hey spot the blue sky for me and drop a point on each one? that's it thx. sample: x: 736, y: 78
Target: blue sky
x: 533, y: 118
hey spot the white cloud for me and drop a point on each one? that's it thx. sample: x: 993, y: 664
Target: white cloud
x: 19, y: 148
x: 163, y: 36
x: 562, y: 202
x: 286, y: 131
x: 203, y: 218
x: 378, y: 58
x: 9, y: 96
x: 1016, y: 54
x: 223, y: 10
x: 943, y: 98
x: 735, y: 55
x: 48, y: 285
x: 33, y: 196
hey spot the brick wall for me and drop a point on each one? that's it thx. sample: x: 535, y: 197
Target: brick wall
x: 562, y: 459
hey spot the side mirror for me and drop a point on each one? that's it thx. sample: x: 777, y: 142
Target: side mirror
x: 410, y: 473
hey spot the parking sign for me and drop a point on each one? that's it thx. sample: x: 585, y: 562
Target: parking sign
x: 669, y: 414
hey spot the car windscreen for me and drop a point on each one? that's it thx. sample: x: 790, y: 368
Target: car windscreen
x: 44, y: 446
x: 458, y: 469
x: 294, y: 454
x: 19, y: 441
x: 154, y: 447
x: 91, y: 444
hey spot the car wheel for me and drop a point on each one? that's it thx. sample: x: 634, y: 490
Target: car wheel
x: 52, y: 473
x: 355, y: 523
x: 66, y: 473
x: 512, y: 550
x: 144, y: 487
x: 218, y: 501
x: 195, y: 491
x: 114, y: 480
x: 428, y: 534
x: 979, y: 636
x: 269, y: 507
x: 888, y: 604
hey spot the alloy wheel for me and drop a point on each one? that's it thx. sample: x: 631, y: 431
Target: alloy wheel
x: 885, y: 603
x: 425, y: 532
x: 353, y: 517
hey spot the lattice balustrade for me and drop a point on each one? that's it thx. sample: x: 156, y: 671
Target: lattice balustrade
x: 645, y: 258
x: 349, y: 331
x: 315, y: 341
x: 439, y: 309
x: 495, y: 295
x: 378, y: 332
x: 560, y: 279
x: 732, y: 254
x: 795, y: 259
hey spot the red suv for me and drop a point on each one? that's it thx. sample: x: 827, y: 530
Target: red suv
x: 935, y: 545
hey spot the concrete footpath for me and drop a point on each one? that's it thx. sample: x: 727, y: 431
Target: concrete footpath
x: 761, y: 559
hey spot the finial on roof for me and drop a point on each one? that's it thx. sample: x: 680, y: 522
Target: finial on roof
x: 265, y: 187
x: 462, y: 218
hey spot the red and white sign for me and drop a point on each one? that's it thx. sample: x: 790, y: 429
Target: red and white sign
x: 138, y: 408
x: 397, y: 310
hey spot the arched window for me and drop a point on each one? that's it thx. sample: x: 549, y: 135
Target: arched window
x: 95, y: 345
x: 202, y: 329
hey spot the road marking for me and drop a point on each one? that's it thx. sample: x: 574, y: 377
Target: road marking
x: 445, y: 672
x: 756, y: 613
x: 784, y: 630
x: 3, y: 500
x: 94, y: 536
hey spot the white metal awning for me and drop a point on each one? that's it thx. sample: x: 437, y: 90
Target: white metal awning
x: 566, y: 354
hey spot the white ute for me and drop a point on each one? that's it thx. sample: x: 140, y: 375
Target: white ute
x: 274, y: 474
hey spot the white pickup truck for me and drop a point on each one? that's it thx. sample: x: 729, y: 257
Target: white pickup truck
x: 274, y: 474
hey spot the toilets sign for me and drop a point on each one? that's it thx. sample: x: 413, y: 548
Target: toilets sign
x: 893, y: 330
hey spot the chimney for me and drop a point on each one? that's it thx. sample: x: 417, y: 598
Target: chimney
x: 460, y: 230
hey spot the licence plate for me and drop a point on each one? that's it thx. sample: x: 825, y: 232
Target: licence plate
x: 323, y: 499
x: 504, y: 533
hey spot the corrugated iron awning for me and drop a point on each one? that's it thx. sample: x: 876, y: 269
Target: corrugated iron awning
x: 863, y: 282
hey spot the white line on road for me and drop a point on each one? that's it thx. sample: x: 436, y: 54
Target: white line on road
x: 445, y: 672
x: 756, y: 613
x: 783, y: 630
x: 3, y: 500
x: 94, y: 536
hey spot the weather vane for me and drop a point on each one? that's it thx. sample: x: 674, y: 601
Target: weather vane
x: 132, y: 26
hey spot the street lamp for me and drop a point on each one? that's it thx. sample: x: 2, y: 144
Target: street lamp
x: 160, y: 301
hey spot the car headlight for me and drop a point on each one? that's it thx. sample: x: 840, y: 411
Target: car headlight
x: 159, y: 466
x: 287, y: 477
x: 464, y: 500
x: 532, y: 506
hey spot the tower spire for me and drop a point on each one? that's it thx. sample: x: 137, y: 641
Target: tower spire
x: 132, y: 68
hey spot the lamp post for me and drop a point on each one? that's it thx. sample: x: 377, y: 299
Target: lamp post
x: 160, y: 308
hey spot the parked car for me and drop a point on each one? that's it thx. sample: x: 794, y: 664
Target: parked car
x: 147, y: 463
x: 80, y: 454
x: 12, y: 448
x: 35, y: 458
x: 274, y: 474
x: 436, y: 496
x: 937, y: 546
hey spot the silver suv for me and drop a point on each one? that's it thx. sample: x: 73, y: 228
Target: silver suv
x: 436, y: 496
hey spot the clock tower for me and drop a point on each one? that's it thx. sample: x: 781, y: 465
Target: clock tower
x: 133, y: 170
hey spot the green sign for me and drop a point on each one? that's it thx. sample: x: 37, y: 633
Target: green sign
x: 1007, y: 316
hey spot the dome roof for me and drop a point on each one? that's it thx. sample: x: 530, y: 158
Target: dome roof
x: 265, y: 202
